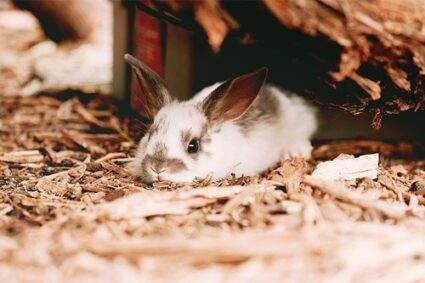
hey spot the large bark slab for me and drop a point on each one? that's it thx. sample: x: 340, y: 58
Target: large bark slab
x: 380, y: 44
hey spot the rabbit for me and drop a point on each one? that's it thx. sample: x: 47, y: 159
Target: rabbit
x: 242, y: 126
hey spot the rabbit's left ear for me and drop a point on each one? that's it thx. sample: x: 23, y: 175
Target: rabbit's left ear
x: 233, y: 98
x: 153, y: 86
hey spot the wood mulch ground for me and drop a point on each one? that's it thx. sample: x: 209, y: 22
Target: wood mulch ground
x: 69, y: 211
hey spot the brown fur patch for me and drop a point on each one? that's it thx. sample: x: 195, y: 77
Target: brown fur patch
x: 146, y: 176
x: 175, y: 165
x: 171, y: 165
x: 160, y: 151
x: 153, y: 129
x: 204, y: 129
x: 204, y: 138
x: 158, y: 162
x: 265, y: 108
x: 185, y: 138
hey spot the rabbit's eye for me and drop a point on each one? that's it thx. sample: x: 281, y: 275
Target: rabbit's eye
x: 193, y: 146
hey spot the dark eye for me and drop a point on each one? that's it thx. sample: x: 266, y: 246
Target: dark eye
x: 193, y: 146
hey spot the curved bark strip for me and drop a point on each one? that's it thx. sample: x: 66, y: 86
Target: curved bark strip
x: 382, y: 43
x: 386, y: 34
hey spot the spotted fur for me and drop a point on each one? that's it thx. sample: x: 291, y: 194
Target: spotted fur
x: 265, y: 108
x: 271, y: 125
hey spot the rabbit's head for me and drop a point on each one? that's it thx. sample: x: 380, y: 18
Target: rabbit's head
x: 179, y: 143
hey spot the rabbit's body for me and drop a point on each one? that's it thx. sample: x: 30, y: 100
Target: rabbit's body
x: 239, y: 127
x: 276, y: 126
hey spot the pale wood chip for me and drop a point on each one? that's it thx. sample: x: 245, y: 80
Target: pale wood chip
x: 28, y: 156
x: 348, y: 168
x: 141, y: 205
x: 339, y: 191
x: 112, y: 155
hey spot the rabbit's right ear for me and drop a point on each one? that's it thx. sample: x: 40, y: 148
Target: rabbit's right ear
x: 233, y: 98
x: 153, y: 86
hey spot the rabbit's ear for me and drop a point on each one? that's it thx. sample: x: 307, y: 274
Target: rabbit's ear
x: 152, y: 85
x: 233, y: 98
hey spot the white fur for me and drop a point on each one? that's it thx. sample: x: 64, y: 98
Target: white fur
x: 231, y: 150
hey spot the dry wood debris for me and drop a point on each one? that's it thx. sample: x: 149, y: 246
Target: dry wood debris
x: 346, y: 167
x: 356, y: 55
x: 92, y: 222
x: 69, y: 211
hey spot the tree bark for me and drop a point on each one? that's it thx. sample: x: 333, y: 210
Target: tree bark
x: 379, y: 44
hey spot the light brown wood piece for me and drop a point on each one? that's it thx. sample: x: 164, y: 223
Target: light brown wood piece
x: 348, y: 168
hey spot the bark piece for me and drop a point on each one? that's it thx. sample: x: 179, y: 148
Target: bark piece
x: 381, y: 60
x: 348, y: 168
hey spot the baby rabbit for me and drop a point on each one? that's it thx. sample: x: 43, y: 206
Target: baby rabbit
x: 240, y: 126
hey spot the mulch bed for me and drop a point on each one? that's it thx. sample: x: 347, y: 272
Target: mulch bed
x: 70, y: 211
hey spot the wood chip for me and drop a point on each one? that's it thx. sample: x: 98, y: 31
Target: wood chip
x: 339, y: 191
x: 112, y: 155
x: 348, y: 168
x: 89, y: 117
x: 28, y: 156
x: 82, y: 141
x: 114, y: 168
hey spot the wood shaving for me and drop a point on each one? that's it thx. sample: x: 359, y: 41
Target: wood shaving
x: 349, y: 168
